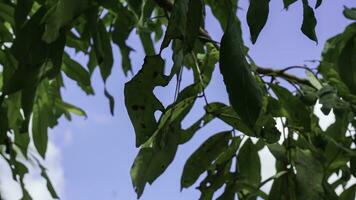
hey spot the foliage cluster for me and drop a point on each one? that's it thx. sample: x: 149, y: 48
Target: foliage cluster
x: 35, y: 36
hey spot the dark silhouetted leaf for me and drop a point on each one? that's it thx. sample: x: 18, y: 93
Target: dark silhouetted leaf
x: 103, y: 50
x: 248, y: 162
x: 124, y: 24
x: 195, y: 20
x: 177, y: 23
x: 287, y: 3
x: 244, y: 93
x: 318, y: 3
x: 347, y: 64
x: 257, y: 15
x: 221, y: 10
x: 309, y: 21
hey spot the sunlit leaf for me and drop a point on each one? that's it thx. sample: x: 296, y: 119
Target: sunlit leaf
x: 142, y: 85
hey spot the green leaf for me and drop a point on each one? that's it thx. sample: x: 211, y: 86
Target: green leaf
x: 6, y: 13
x: 50, y: 187
x: 111, y: 101
x: 278, y: 151
x: 347, y: 64
x: 257, y: 15
x: 221, y: 10
x: 70, y: 108
x: 103, y: 50
x: 309, y: 22
x: 177, y: 23
x: 350, y: 13
x: 142, y: 85
x: 60, y: 15
x: 299, y: 117
x: 244, y: 93
x: 309, y: 176
x: 282, y: 188
x: 318, y: 3
x: 136, y: 6
x: 77, y: 73
x: 39, y: 128
x: 287, y: 3
x: 153, y: 161
x: 229, y: 116
x: 188, y: 133
x: 348, y: 194
x: 249, y: 164
x: 203, y: 157
x: 195, y: 15
x: 5, y: 35
x: 147, y: 44
x: 124, y: 24
x: 215, y: 179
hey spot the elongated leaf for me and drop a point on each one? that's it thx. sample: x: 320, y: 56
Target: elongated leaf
x: 6, y: 13
x: 60, y: 15
x: 309, y: 22
x: 229, y: 116
x: 39, y: 128
x: 194, y: 22
x: 203, y: 157
x: 111, y: 101
x: 221, y: 10
x: 257, y: 15
x: 249, y: 164
x: 103, y: 50
x: 77, y: 73
x: 309, y: 176
x: 177, y: 22
x: 70, y: 108
x: 244, y: 93
x: 50, y: 187
x: 318, y: 3
x: 347, y: 64
x: 124, y: 24
x: 151, y: 162
x: 141, y: 110
x: 287, y: 3
x: 350, y: 13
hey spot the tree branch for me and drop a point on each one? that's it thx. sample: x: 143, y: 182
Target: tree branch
x: 205, y: 37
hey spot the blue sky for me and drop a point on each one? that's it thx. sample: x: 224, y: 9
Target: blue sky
x: 90, y: 159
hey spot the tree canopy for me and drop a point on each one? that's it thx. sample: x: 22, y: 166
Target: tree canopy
x: 35, y: 38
